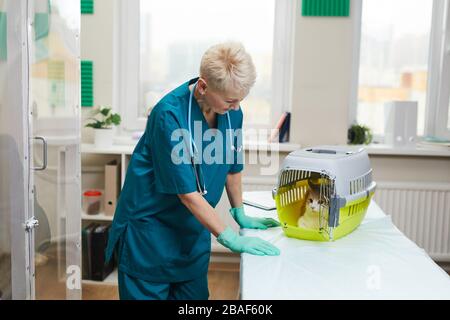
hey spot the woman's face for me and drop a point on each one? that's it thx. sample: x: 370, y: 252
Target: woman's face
x: 221, y: 102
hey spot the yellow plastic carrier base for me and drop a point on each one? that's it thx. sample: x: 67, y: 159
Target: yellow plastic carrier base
x: 350, y: 216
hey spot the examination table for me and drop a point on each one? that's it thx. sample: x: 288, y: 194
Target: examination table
x: 376, y: 261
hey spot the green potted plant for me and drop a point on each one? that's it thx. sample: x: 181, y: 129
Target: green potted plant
x: 359, y: 134
x: 102, y: 121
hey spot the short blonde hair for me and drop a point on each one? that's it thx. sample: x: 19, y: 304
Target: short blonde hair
x: 228, y: 67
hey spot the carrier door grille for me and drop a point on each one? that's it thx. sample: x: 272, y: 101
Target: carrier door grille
x: 295, y: 193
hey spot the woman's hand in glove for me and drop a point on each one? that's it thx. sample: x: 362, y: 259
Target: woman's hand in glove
x: 250, y: 222
x: 236, y: 243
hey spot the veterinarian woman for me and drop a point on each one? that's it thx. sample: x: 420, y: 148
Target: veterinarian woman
x: 165, y: 214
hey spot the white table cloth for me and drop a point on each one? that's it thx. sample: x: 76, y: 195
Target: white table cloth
x: 376, y: 261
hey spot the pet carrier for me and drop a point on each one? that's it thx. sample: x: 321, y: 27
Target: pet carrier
x: 323, y: 192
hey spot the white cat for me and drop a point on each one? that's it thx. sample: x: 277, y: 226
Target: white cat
x: 310, y: 217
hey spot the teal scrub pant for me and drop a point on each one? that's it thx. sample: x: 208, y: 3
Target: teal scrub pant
x: 131, y: 288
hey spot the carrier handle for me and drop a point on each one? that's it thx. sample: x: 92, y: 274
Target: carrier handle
x: 328, y: 151
x: 322, y: 151
x: 363, y: 194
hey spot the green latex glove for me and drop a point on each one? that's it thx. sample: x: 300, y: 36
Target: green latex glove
x: 236, y: 243
x: 250, y: 222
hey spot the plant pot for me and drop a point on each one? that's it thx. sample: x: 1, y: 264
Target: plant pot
x: 103, y: 137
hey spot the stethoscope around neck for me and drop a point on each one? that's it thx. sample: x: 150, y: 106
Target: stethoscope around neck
x: 201, y: 185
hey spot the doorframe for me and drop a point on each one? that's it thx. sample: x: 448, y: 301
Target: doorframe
x: 17, y: 43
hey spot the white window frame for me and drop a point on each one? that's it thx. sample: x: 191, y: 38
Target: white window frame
x: 438, y: 86
x: 126, y: 62
x: 356, y: 12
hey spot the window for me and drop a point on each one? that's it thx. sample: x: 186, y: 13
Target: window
x: 404, y: 55
x: 163, y: 47
x: 394, y: 54
x: 441, y: 62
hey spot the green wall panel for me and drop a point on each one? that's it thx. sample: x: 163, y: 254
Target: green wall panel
x: 3, y: 37
x: 87, y: 83
x: 87, y: 6
x: 326, y: 8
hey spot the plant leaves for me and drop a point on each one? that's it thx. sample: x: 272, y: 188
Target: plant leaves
x: 96, y: 125
x: 108, y: 118
x: 115, y: 118
x: 105, y: 111
x: 359, y: 134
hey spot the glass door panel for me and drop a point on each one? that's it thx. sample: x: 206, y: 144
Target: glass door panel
x: 54, y: 101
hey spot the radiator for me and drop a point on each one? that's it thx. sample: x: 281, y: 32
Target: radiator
x: 421, y: 211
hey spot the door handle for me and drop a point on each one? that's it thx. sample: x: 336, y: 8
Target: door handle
x: 31, y: 224
x: 44, y: 144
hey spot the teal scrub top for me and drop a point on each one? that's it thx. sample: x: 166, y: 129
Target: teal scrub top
x: 160, y: 239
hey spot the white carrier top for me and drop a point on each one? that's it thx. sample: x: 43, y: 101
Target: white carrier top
x: 348, y: 167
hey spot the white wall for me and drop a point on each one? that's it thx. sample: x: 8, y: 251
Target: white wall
x: 97, y: 45
x: 322, y: 78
